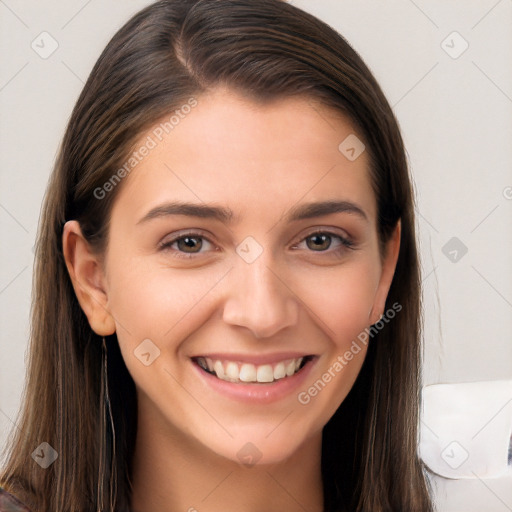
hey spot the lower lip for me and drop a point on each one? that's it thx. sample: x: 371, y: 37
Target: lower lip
x: 257, y: 393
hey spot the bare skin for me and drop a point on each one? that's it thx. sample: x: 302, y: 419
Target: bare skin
x: 303, y: 295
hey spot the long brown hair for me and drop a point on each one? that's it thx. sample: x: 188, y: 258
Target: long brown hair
x: 167, y: 53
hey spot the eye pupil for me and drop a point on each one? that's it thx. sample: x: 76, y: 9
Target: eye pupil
x: 189, y: 242
x: 322, y: 239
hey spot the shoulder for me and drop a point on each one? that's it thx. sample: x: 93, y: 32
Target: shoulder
x: 9, y: 503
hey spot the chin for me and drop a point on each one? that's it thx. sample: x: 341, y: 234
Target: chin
x: 272, y: 445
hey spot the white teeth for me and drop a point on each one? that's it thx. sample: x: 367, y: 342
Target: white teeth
x: 232, y: 371
x: 265, y: 373
x: 219, y: 370
x: 290, y: 368
x: 279, y: 371
x: 246, y: 372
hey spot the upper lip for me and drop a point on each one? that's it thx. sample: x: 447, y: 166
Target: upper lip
x: 256, y: 359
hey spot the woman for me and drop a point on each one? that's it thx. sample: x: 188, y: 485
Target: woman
x: 227, y: 304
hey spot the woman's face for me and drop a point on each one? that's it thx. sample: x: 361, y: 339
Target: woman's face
x: 245, y: 242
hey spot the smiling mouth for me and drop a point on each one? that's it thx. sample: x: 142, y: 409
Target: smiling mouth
x: 231, y: 371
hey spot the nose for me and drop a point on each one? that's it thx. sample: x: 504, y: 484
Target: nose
x: 259, y: 299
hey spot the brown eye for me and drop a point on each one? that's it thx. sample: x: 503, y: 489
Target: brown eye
x: 326, y: 243
x: 189, y: 244
x: 322, y: 241
x: 319, y: 242
x: 186, y: 245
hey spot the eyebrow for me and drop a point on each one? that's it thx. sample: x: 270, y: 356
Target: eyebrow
x: 300, y: 212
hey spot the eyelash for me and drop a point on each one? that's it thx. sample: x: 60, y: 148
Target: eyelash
x: 345, y: 243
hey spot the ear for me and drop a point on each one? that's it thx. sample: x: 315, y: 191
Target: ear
x: 388, y: 271
x: 86, y: 273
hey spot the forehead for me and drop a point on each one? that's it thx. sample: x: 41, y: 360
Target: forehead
x: 229, y: 149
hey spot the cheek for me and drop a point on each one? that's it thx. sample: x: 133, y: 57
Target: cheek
x: 161, y: 304
x: 340, y: 299
x: 151, y: 302
x: 340, y: 304
x: 151, y: 298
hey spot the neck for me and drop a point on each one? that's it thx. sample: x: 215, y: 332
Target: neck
x: 173, y: 472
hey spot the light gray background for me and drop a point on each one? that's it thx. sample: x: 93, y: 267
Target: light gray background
x: 456, y: 119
